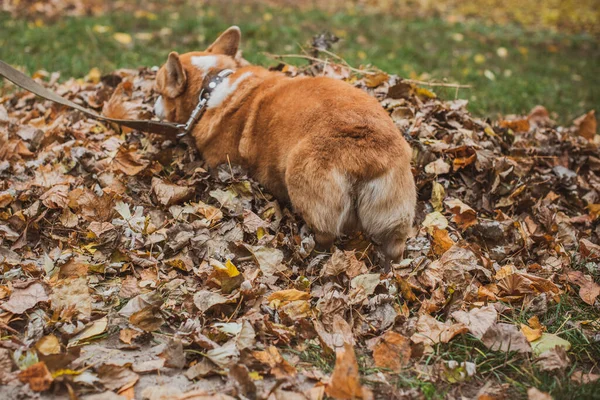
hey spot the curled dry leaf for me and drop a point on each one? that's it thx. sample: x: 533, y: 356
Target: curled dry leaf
x: 279, y: 367
x: 117, y: 377
x: 477, y: 320
x: 464, y: 216
x: 24, y: 298
x: 37, y: 376
x: 345, y: 380
x: 506, y: 337
x: 431, y: 331
x: 56, y: 197
x: 168, y: 194
x: 553, y: 360
x: 587, y: 125
x: 588, y: 289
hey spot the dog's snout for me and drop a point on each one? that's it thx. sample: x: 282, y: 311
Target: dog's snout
x: 159, y: 108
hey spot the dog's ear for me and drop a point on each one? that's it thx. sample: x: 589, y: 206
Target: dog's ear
x: 227, y: 43
x: 175, y: 76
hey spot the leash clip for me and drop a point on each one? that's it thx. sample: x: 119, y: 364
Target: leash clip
x: 202, y: 100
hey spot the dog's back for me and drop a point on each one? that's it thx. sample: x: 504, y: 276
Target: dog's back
x: 334, y: 152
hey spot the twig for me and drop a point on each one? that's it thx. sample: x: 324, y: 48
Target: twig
x: 364, y: 72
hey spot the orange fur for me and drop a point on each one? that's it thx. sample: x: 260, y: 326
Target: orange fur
x: 325, y: 146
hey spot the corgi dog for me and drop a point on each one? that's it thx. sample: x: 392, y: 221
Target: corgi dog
x: 324, y: 146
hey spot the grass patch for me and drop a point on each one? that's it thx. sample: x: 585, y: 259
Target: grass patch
x: 511, y: 70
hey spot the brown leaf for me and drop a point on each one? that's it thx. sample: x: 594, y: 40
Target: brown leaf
x: 343, y: 262
x: 56, y: 196
x: 168, y: 194
x: 22, y: 299
x: 553, y: 359
x: 517, y: 125
x: 119, y: 108
x: 288, y: 295
x: 442, y: 241
x: 589, y: 249
x: 464, y: 216
x: 345, y: 380
x: 431, y: 331
x: 477, y: 320
x: 392, y: 352
x: 116, y: 377
x: 587, y: 125
x: 536, y: 394
x: 73, y: 294
x: 173, y: 354
x: 588, y: 289
x: 37, y: 376
x: 340, y: 333
x: 129, y: 162
x: 506, y: 337
x: 280, y: 368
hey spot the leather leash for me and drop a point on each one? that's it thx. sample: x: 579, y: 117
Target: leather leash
x: 162, y: 128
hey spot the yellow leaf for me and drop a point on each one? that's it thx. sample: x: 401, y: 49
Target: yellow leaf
x: 62, y: 372
x: 123, y: 38
x: 255, y: 376
x: 93, y: 76
x: 90, y: 248
x: 531, y: 334
x: 425, y: 93
x: 231, y: 269
x: 437, y: 196
x: 377, y: 79
x: 101, y: 28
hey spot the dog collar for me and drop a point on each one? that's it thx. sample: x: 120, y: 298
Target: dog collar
x: 203, y: 98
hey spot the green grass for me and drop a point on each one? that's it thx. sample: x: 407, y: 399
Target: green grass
x: 558, y: 71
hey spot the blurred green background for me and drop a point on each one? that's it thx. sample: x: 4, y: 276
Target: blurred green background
x: 515, y: 54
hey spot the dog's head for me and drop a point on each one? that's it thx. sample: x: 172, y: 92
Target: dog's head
x: 180, y: 80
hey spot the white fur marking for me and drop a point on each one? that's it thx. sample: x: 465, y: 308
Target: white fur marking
x: 343, y: 189
x: 224, y: 90
x: 204, y: 63
x: 159, y: 108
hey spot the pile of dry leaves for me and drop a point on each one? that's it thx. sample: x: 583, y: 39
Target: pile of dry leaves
x: 129, y: 269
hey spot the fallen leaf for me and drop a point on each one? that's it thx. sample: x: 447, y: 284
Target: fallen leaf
x: 555, y: 359
x: 549, y: 341
x: 116, y: 377
x: 392, y: 352
x: 506, y: 337
x: 536, y: 394
x: 37, y: 376
x: 72, y: 294
x: 169, y: 194
x: 205, y: 299
x: 477, y: 320
x: 464, y: 216
x: 279, y: 367
x: 587, y: 125
x: 588, y: 289
x: 431, y: 331
x: 48, y: 345
x: 22, y: 299
x: 345, y: 380
x: 438, y: 167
